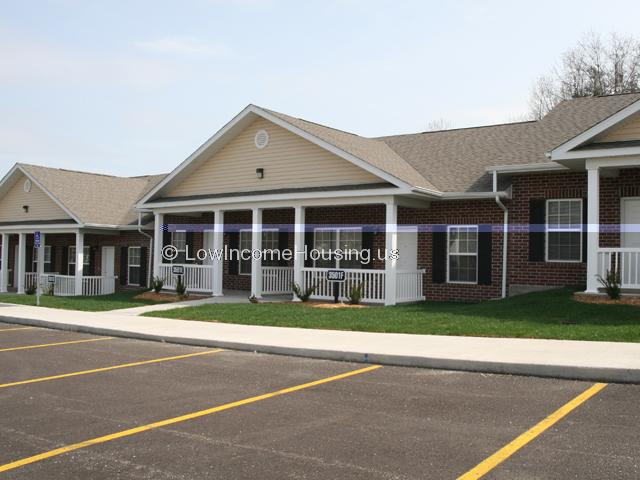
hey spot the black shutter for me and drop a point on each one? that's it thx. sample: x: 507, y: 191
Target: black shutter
x: 166, y: 238
x: 367, y: 244
x: 52, y: 265
x: 537, y: 220
x: 143, y: 266
x: 234, y: 245
x: 283, y: 244
x: 124, y: 261
x: 29, y: 259
x: 585, y: 229
x: 192, y: 253
x: 308, y: 241
x: 439, y: 254
x: 64, y: 265
x: 92, y: 261
x: 484, y: 255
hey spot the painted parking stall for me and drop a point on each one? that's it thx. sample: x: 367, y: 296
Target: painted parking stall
x: 164, y: 411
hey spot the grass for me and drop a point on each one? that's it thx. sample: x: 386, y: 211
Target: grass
x: 88, y: 304
x: 552, y: 314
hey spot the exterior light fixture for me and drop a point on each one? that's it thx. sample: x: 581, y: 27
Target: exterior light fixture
x: 260, y: 173
x: 25, y: 208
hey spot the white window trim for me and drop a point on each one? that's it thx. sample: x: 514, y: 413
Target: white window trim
x: 129, y: 265
x: 245, y: 230
x: 35, y: 256
x: 185, y: 244
x: 567, y: 230
x: 71, y: 260
x: 337, y: 245
x: 477, y: 254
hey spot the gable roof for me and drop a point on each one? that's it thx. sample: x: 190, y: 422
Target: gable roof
x: 92, y: 198
x: 458, y: 159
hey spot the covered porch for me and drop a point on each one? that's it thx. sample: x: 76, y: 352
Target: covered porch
x: 360, y: 224
x: 53, y: 267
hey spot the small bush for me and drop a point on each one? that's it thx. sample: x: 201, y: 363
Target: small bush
x: 355, y: 294
x: 157, y: 284
x: 302, y: 295
x: 51, y: 290
x: 253, y: 299
x: 611, y: 284
x: 31, y: 289
x: 181, y: 288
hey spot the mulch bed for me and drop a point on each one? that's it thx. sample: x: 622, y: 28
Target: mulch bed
x: 318, y: 304
x: 603, y: 299
x: 165, y: 297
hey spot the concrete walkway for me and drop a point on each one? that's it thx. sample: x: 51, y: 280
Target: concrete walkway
x: 605, y: 361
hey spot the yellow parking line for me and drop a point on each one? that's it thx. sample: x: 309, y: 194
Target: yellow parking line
x: 14, y: 329
x: 183, y: 418
x: 512, y: 447
x: 106, y: 369
x: 54, y: 344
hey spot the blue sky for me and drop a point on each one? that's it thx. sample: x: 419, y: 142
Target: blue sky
x: 133, y: 87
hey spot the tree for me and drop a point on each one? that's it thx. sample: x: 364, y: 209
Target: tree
x: 439, y: 124
x: 592, y: 68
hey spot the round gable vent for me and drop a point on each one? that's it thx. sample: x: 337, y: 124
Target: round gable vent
x: 27, y: 186
x: 261, y: 139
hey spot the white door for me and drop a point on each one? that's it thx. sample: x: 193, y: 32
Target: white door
x: 631, y: 223
x: 108, y: 261
x: 407, y: 248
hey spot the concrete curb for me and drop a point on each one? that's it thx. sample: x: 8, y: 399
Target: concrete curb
x: 602, y: 374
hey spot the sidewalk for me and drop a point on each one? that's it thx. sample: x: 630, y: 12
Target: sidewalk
x: 604, y: 361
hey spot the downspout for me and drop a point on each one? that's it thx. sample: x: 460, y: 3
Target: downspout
x: 505, y: 232
x: 150, y: 237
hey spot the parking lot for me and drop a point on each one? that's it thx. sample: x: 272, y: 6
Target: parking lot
x: 83, y: 406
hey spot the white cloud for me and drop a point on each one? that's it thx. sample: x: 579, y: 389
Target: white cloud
x: 183, y: 46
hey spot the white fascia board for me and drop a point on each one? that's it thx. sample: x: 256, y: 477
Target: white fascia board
x: 27, y: 228
x: 51, y: 196
x: 255, y: 110
x: 561, y: 151
x: 596, y: 153
x: 473, y: 195
x: 527, y: 168
x: 289, y: 197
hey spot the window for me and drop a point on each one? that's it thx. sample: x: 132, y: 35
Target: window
x: 47, y: 258
x: 270, y: 243
x: 462, y: 265
x: 564, y: 230
x: 134, y: 266
x: 331, y: 239
x: 245, y: 244
x: 179, y: 240
x: 85, y: 260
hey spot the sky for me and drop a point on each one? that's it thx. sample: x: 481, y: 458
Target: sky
x: 134, y: 87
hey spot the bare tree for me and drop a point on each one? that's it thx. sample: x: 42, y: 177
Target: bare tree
x: 594, y: 67
x: 439, y: 124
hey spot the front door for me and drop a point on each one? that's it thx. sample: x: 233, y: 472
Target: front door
x: 108, y: 261
x: 630, y: 223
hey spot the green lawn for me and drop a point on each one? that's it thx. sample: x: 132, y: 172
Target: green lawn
x: 550, y: 314
x: 88, y: 304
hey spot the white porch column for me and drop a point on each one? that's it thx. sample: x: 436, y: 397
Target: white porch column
x: 79, y: 261
x: 157, y: 243
x: 256, y: 244
x: 593, y: 219
x: 298, y: 248
x: 218, y: 245
x: 4, y: 275
x: 40, y: 264
x: 20, y: 261
x: 391, y: 243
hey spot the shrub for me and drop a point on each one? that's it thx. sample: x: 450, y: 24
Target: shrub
x: 253, y: 299
x: 31, y: 289
x: 302, y: 295
x: 51, y: 290
x: 355, y: 294
x: 157, y: 284
x: 611, y: 284
x: 181, y: 288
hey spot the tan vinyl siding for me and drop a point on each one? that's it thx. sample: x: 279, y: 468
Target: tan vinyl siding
x: 288, y: 161
x: 629, y: 130
x: 41, y: 207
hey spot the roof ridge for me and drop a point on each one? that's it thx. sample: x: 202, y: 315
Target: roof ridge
x: 315, y: 123
x: 84, y: 172
x: 426, y: 132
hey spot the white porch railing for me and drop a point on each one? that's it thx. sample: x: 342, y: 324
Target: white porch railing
x: 277, y: 280
x: 409, y: 286
x: 625, y: 260
x: 197, y: 278
x: 372, y: 284
x: 65, y: 285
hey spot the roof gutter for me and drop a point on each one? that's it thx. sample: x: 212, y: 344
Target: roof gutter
x: 505, y: 231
